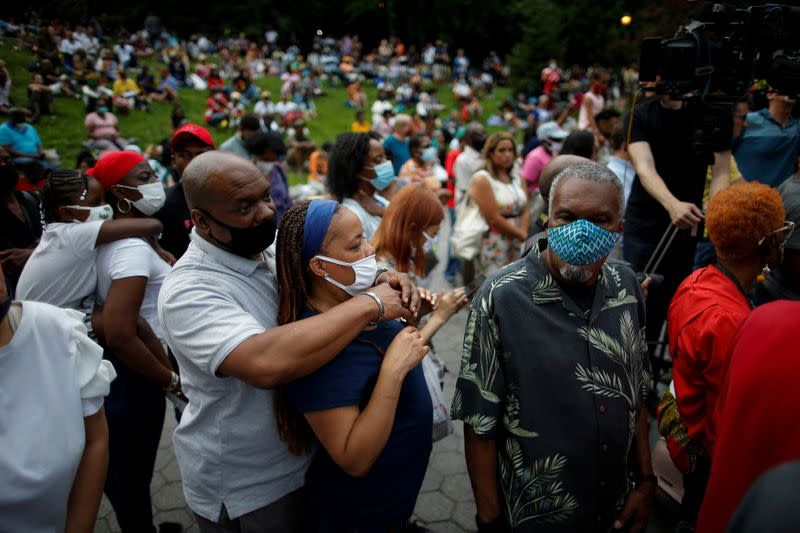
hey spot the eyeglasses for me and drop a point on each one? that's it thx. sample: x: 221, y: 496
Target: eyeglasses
x: 785, y: 231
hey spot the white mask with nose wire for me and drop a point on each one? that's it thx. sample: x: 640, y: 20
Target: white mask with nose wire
x: 153, y: 197
x: 366, y: 271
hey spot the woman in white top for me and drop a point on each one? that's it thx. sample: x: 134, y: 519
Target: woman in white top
x: 360, y: 177
x: 61, y: 271
x: 53, y: 430
x: 129, y: 276
x: 593, y: 101
x: 502, y: 200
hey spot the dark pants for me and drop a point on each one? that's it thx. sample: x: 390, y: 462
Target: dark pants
x: 287, y: 515
x: 694, y: 489
x: 135, y: 413
x: 675, y: 267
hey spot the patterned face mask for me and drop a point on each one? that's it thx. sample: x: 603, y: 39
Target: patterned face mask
x: 581, y: 242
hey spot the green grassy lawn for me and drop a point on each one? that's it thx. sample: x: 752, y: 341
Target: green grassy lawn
x: 65, y: 131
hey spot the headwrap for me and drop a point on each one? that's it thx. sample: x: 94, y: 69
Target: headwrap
x: 318, y: 219
x: 112, y: 167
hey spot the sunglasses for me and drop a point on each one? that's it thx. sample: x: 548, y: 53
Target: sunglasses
x: 785, y: 231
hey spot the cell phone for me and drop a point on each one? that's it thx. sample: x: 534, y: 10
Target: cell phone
x: 473, y: 286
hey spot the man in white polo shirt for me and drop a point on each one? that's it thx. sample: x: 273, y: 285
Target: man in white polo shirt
x: 218, y: 307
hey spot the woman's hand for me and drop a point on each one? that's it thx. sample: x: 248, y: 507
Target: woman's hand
x: 451, y: 303
x: 405, y: 352
x: 428, y: 301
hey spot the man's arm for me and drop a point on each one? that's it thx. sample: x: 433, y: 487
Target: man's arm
x: 285, y: 353
x: 683, y: 214
x: 720, y: 172
x: 636, y: 512
x: 481, y: 455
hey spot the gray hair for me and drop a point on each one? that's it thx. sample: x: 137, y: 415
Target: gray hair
x: 589, y: 171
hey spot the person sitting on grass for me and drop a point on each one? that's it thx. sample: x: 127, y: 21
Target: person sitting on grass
x: 102, y: 127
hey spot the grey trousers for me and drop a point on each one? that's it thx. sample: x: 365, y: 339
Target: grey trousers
x: 290, y: 514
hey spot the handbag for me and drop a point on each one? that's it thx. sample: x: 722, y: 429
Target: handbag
x: 433, y: 368
x: 468, y: 231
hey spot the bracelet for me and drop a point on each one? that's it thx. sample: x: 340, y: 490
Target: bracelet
x: 378, y: 301
x: 174, y: 383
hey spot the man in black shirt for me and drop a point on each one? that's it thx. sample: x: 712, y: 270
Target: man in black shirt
x: 668, y: 189
x: 188, y: 141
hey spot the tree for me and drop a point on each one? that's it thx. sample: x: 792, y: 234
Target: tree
x: 540, y: 29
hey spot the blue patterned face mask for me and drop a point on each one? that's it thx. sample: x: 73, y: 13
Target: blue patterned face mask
x: 581, y: 242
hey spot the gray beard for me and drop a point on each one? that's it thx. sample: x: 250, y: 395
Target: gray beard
x: 575, y: 273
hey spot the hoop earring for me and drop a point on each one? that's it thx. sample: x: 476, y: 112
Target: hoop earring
x: 127, y: 203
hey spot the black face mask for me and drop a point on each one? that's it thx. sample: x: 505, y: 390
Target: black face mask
x: 247, y: 242
x: 8, y: 178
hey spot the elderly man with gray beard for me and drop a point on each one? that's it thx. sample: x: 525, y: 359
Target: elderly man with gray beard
x: 555, y: 374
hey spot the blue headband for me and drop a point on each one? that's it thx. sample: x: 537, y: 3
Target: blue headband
x: 318, y: 218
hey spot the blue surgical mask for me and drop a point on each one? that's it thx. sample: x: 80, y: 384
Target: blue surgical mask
x: 429, y: 154
x: 384, y: 175
x: 102, y: 110
x: 581, y: 242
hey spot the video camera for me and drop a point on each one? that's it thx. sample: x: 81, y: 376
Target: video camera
x: 712, y: 62
x: 716, y: 58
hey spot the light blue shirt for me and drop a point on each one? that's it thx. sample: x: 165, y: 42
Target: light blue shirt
x: 766, y: 151
x: 227, y: 444
x: 235, y: 145
x: 26, y: 141
x: 625, y: 172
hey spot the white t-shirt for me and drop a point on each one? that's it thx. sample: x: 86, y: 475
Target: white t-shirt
x: 52, y: 376
x: 61, y: 271
x: 282, y: 108
x: 123, y: 52
x: 129, y: 258
x: 264, y: 108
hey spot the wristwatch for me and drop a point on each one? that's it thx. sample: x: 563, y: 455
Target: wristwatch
x: 378, y: 274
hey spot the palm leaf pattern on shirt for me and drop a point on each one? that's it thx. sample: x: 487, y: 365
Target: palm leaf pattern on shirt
x: 533, y: 492
x: 546, y: 291
x: 627, y: 352
x: 511, y: 414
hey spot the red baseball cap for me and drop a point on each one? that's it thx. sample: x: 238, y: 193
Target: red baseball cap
x: 112, y: 167
x: 191, y: 132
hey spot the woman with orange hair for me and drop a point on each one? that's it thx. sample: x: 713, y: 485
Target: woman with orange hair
x: 746, y: 225
x: 408, y: 232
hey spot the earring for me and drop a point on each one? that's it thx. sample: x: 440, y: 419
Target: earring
x: 127, y: 204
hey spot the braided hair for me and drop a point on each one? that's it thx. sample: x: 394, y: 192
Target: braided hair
x: 62, y: 187
x: 293, y: 289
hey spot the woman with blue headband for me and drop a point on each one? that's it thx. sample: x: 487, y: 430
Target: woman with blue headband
x: 369, y: 408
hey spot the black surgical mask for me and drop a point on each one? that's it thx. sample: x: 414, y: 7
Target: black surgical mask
x: 248, y: 242
x: 9, y: 176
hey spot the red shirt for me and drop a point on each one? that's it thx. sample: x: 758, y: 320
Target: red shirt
x: 450, y: 167
x: 756, y: 416
x: 703, y: 318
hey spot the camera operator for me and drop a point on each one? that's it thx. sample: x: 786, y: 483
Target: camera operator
x: 671, y: 165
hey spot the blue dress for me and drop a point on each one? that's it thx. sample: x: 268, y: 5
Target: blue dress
x: 388, y: 493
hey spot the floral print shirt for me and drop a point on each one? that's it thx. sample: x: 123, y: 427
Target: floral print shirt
x: 558, y: 389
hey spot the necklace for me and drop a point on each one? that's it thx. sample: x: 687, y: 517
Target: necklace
x: 735, y: 281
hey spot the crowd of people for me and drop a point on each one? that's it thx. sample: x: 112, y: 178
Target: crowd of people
x: 611, y: 269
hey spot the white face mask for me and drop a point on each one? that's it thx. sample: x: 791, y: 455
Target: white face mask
x: 153, y: 197
x: 366, y: 271
x: 430, y: 242
x: 100, y: 212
